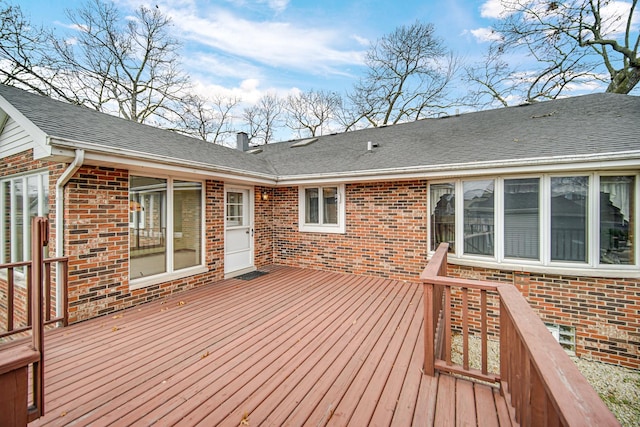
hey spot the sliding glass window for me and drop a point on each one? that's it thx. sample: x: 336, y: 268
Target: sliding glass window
x: 165, y: 220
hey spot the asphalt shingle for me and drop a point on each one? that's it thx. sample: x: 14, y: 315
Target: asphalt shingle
x: 596, y: 124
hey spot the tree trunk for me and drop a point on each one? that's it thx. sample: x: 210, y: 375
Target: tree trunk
x: 624, y: 80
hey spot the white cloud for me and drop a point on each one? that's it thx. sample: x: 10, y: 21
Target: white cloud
x: 492, y: 9
x: 277, y: 5
x: 362, y: 41
x: 273, y: 43
x: 614, y: 18
x: 485, y: 34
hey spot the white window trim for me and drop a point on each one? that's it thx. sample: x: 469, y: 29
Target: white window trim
x: 42, y: 177
x: 170, y: 274
x: 339, y: 228
x: 544, y: 264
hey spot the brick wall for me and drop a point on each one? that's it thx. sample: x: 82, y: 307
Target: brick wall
x: 386, y: 233
x: 604, y: 312
x: 97, y: 233
x: 263, y: 226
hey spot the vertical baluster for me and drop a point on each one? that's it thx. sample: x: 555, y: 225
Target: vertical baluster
x: 447, y: 324
x: 483, y: 331
x: 28, y: 286
x: 504, y: 354
x: 65, y: 291
x: 465, y: 328
x: 10, y: 299
x: 47, y: 290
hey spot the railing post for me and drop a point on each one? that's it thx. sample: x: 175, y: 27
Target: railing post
x: 39, y: 239
x: 429, y: 330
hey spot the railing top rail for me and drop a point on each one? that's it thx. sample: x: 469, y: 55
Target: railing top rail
x: 575, y: 400
x: 433, y: 266
x: 28, y: 263
x: 58, y: 259
x: 431, y: 273
x: 15, y: 264
x: 464, y: 283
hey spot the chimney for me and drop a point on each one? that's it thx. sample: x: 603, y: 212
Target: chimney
x: 242, y: 141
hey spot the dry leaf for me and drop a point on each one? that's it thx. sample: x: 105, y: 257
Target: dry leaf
x: 181, y: 303
x: 115, y: 328
x: 245, y: 419
x: 204, y: 355
x: 117, y: 316
x: 62, y: 414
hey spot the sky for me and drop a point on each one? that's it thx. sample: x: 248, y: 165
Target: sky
x: 249, y: 47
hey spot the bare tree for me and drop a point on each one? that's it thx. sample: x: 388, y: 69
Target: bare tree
x: 494, y: 82
x: 208, y: 119
x: 311, y: 111
x: 263, y: 118
x: 23, y: 55
x: 125, y: 68
x: 407, y: 75
x: 573, y: 41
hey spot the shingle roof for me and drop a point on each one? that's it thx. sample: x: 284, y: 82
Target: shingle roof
x: 596, y: 124
x: 71, y: 122
x: 585, y: 125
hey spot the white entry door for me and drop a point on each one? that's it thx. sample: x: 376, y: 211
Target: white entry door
x: 238, y: 238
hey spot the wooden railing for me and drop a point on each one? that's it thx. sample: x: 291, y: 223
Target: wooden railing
x: 536, y: 375
x: 23, y: 315
x: 22, y: 364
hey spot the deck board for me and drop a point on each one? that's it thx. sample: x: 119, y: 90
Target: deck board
x: 292, y: 347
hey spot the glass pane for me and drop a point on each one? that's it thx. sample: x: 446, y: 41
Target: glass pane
x: 187, y: 227
x: 522, y: 218
x: 443, y: 215
x: 330, y: 205
x: 617, y: 221
x: 311, y: 206
x: 569, y: 218
x: 147, y: 237
x: 45, y: 191
x: 6, y: 222
x: 235, y: 213
x: 17, y: 237
x: 478, y: 217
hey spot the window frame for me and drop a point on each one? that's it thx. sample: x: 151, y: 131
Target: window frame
x: 43, y: 188
x: 339, y: 228
x: 544, y: 262
x: 171, y: 273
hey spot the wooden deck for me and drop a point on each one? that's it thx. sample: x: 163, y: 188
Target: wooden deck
x: 292, y: 347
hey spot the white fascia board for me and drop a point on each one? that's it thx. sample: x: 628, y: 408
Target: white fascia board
x: 619, y: 161
x: 97, y: 155
x: 40, y: 139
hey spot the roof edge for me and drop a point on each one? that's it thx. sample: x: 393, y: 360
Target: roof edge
x: 119, y: 153
x: 627, y: 159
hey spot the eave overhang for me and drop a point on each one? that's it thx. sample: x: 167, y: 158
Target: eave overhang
x: 140, y: 161
x: 135, y: 160
x: 579, y: 163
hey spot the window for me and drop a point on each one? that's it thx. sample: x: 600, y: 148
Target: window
x: 478, y: 216
x: 565, y: 335
x: 563, y: 221
x: 21, y: 198
x: 617, y: 219
x: 569, y: 218
x: 443, y: 213
x: 522, y: 218
x: 322, y: 209
x: 165, y: 217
